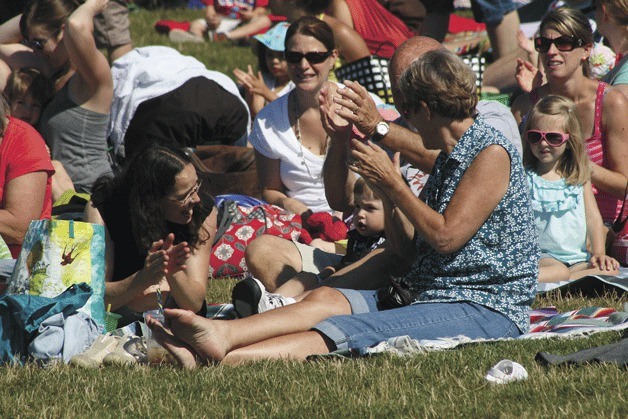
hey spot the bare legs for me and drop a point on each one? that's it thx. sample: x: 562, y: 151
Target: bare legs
x: 279, y: 333
x: 552, y: 270
x: 272, y: 260
x: 503, y: 35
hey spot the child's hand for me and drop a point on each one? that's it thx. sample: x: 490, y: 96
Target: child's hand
x: 246, y: 13
x: 604, y: 262
x: 254, y: 84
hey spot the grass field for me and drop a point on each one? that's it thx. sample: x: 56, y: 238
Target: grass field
x: 438, y: 384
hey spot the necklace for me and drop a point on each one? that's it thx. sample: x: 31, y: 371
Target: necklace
x: 297, y: 132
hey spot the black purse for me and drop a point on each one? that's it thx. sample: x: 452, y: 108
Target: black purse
x: 395, y: 295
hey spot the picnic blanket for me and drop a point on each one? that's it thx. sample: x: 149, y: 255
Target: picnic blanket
x: 544, y: 323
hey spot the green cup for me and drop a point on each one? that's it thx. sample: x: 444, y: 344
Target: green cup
x: 111, y: 321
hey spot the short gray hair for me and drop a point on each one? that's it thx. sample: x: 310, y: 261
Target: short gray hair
x: 443, y: 81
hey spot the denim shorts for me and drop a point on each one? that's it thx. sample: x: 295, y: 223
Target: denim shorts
x: 491, y: 11
x: 111, y: 27
x: 425, y: 320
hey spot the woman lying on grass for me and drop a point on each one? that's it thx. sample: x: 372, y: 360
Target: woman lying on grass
x: 472, y: 252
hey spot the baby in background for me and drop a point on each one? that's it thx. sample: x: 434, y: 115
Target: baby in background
x: 27, y: 92
x: 571, y: 232
x: 249, y: 296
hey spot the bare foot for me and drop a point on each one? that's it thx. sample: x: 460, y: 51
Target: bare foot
x: 181, y: 351
x: 200, y: 333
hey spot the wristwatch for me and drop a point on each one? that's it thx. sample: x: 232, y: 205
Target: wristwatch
x: 381, y: 130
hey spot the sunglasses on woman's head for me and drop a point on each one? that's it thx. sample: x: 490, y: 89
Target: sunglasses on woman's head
x: 563, y: 43
x: 554, y: 139
x: 294, y: 57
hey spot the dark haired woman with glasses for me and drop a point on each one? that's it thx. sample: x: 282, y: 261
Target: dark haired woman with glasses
x: 564, y: 46
x: 74, y: 124
x: 158, y: 233
x: 288, y: 136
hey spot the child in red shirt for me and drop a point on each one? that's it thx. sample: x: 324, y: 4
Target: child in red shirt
x: 226, y: 20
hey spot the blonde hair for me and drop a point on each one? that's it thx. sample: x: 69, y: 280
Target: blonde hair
x: 617, y: 10
x: 361, y: 189
x: 574, y: 163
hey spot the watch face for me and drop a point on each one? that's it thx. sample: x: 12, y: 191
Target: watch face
x: 382, y: 128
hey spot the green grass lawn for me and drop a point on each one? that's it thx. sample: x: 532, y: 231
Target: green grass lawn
x: 437, y: 384
x: 223, y: 57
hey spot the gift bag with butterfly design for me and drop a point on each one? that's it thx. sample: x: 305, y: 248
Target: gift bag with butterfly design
x: 57, y: 254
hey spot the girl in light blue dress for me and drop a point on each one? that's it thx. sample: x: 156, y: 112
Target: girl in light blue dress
x: 568, y: 221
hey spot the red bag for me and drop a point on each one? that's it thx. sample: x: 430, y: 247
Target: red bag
x: 238, y: 226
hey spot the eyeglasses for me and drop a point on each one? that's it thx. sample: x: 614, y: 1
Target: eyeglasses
x: 294, y: 57
x: 554, y: 139
x: 563, y: 43
x: 189, y: 196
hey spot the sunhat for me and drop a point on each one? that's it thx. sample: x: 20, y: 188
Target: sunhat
x: 274, y: 37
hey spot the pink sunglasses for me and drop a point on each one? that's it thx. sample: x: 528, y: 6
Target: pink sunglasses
x: 555, y: 139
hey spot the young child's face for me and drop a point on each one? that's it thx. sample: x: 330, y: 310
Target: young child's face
x: 368, y: 216
x: 26, y: 109
x: 276, y: 63
x: 543, y: 151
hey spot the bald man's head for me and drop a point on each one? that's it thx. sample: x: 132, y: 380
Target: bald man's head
x: 405, y: 54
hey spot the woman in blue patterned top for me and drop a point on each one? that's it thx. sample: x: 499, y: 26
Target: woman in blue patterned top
x: 468, y: 247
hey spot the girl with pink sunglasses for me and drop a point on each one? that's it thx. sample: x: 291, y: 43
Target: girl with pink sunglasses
x: 571, y: 232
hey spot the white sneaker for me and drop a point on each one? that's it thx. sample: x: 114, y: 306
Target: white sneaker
x: 130, y: 351
x: 270, y: 301
x: 93, y: 357
x: 249, y: 297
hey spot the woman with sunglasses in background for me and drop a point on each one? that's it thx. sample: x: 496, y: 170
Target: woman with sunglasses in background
x: 565, y: 212
x: 74, y: 123
x: 564, y: 46
x: 158, y: 233
x: 288, y: 135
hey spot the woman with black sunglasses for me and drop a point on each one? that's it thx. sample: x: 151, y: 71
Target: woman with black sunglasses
x: 564, y: 46
x: 288, y: 136
x: 74, y: 123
